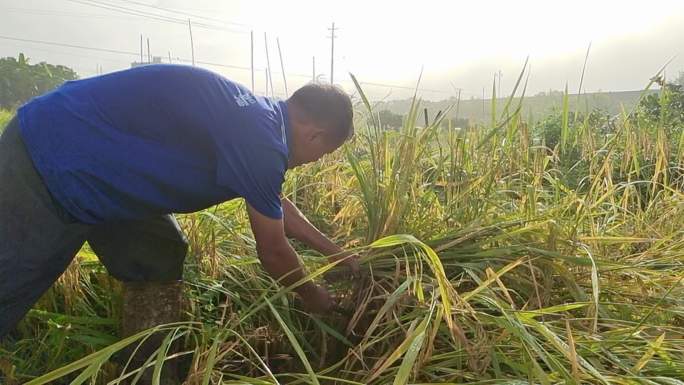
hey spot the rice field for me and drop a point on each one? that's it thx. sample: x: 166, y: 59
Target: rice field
x: 492, y: 254
x: 5, y: 117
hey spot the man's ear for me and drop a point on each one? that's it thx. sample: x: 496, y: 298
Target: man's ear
x: 315, y: 134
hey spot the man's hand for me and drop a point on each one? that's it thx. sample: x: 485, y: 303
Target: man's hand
x: 280, y: 261
x: 348, y: 268
x: 315, y: 299
x: 298, y: 227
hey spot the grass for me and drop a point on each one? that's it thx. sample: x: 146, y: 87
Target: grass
x: 5, y: 117
x: 514, y: 272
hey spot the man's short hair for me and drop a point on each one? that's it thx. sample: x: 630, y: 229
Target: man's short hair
x: 328, y: 106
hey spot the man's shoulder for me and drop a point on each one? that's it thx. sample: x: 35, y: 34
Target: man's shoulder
x: 262, y: 112
x: 256, y: 124
x: 171, y: 69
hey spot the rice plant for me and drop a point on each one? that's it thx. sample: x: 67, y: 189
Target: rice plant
x: 491, y: 256
x: 5, y: 117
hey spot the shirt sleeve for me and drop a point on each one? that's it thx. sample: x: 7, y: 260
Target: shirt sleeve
x: 257, y: 174
x: 251, y: 155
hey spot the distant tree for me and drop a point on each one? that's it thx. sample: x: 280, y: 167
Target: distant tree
x: 680, y: 79
x: 20, y: 80
x: 664, y: 108
x: 393, y: 121
x: 572, y: 165
x: 460, y: 122
x: 549, y: 128
x: 390, y: 120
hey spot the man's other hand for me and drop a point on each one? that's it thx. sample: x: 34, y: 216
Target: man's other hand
x: 348, y: 268
x: 315, y: 298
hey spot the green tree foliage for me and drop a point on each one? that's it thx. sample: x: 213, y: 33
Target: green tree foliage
x: 5, y: 117
x: 20, y: 80
x: 390, y: 120
x: 664, y: 109
x: 549, y: 128
x: 393, y: 121
x: 680, y: 78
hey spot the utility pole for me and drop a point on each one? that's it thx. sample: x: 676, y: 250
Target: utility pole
x: 268, y: 65
x: 266, y: 74
x: 192, y: 44
x: 483, y: 104
x: 141, y: 49
x: 251, y: 35
x: 500, y: 76
x: 149, y: 55
x: 332, y: 51
x: 458, y: 98
x: 282, y: 66
x: 458, y: 102
x: 169, y: 57
x: 313, y: 70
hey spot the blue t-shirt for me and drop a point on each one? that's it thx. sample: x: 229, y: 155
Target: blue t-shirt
x: 154, y: 140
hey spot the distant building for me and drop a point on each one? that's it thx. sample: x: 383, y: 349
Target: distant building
x: 155, y: 60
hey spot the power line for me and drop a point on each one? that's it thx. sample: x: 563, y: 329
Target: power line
x: 171, y: 19
x: 403, y: 87
x: 150, y: 15
x: 116, y: 8
x: 52, y: 12
x: 185, y: 14
x: 63, y: 53
x: 179, y: 59
x: 128, y: 53
x: 120, y: 52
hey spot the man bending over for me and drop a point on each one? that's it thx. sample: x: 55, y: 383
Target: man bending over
x: 109, y: 159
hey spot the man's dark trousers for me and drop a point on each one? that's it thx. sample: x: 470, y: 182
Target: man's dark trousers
x: 38, y: 239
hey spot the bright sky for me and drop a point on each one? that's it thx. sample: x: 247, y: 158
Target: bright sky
x: 459, y: 44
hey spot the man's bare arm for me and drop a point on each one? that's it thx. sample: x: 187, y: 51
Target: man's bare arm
x: 298, y: 227
x: 280, y: 260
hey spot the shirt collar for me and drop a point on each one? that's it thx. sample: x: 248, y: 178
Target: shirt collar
x: 285, y: 123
